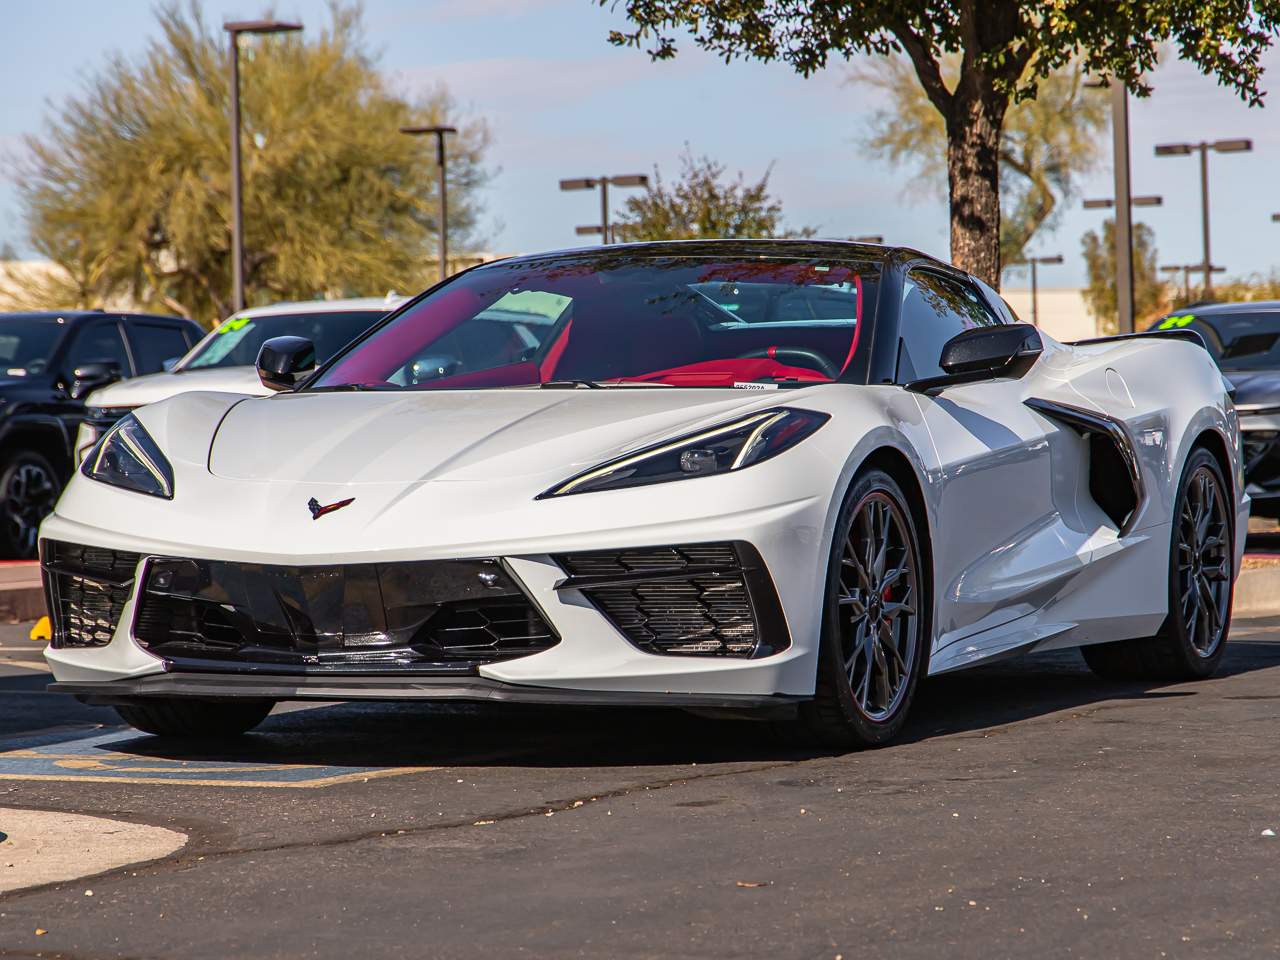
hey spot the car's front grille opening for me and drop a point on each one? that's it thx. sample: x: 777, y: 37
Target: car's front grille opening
x: 706, y: 599
x: 86, y: 589
x: 417, y: 616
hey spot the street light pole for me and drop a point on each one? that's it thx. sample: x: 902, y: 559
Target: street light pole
x: 440, y: 133
x: 590, y: 183
x: 1124, y: 207
x: 1035, y: 291
x: 234, y: 29
x: 1239, y: 145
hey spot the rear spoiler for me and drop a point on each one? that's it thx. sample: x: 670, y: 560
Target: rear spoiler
x: 1191, y: 336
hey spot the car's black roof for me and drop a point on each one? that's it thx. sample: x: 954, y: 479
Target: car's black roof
x: 802, y: 247
x: 85, y: 315
x: 1214, y: 309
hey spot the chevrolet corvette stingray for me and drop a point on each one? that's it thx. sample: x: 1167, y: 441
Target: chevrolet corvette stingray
x: 788, y: 477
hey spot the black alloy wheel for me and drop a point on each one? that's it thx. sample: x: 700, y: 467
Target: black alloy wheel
x: 1193, y: 638
x: 29, y: 488
x: 878, y: 610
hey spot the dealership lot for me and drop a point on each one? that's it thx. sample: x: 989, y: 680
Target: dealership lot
x: 1031, y: 809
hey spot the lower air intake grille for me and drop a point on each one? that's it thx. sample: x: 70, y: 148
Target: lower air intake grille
x: 708, y: 599
x: 86, y: 589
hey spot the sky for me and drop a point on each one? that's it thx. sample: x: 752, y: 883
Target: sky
x: 560, y: 101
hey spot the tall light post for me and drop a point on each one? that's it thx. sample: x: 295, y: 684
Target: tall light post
x: 1187, y: 269
x: 1034, y: 262
x: 440, y: 133
x: 590, y: 183
x: 234, y: 29
x: 1238, y: 145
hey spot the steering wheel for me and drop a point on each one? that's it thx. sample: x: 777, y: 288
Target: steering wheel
x: 796, y: 357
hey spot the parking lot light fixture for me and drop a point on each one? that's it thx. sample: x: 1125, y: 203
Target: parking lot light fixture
x: 234, y: 28
x: 1235, y: 145
x: 1187, y: 269
x: 590, y: 183
x: 439, y: 132
x: 1108, y: 203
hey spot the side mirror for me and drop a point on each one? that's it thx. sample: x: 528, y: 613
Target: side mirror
x: 433, y: 368
x: 284, y: 361
x: 985, y: 353
x: 91, y: 375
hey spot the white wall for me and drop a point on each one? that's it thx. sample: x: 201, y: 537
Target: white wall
x: 1062, y: 311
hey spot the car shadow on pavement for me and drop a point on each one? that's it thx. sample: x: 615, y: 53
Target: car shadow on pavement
x: 406, y: 734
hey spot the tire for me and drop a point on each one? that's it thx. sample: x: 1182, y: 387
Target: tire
x: 195, y: 719
x: 29, y: 488
x: 1193, y: 638
x: 865, y: 684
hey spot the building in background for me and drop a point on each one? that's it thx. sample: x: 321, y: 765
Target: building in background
x: 1063, y: 312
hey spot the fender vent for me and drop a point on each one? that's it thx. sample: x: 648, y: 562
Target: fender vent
x: 1115, y: 479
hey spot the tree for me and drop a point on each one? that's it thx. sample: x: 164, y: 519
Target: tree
x: 1006, y: 48
x: 1045, y: 144
x: 702, y: 204
x: 1149, y: 299
x: 128, y: 188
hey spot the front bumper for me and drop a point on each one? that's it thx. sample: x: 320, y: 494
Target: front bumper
x: 596, y: 657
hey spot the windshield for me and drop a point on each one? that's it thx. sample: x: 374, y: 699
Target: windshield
x: 27, y: 342
x: 235, y: 343
x: 621, y: 319
x: 1248, y: 340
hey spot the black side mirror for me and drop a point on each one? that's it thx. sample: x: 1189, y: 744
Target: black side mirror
x: 91, y: 375
x: 985, y: 353
x: 284, y: 361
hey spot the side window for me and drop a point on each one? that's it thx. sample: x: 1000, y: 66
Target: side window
x: 98, y: 341
x: 154, y: 343
x: 935, y: 309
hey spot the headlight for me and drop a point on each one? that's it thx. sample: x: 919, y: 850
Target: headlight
x: 127, y: 457
x: 721, y: 449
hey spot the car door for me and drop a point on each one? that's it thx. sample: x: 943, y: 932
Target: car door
x: 995, y: 542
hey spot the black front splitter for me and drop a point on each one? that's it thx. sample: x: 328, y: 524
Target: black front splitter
x: 224, y: 686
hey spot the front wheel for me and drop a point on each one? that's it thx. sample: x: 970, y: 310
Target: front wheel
x: 876, y: 619
x: 1193, y: 638
x: 29, y: 488
x: 195, y: 719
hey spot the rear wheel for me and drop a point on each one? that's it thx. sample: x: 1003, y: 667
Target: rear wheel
x: 29, y: 488
x: 195, y: 719
x: 1192, y: 640
x: 875, y: 622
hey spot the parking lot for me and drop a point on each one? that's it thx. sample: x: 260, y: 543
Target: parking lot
x: 1031, y: 810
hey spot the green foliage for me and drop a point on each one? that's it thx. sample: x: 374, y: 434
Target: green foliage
x: 1149, y: 296
x: 1007, y: 49
x: 128, y: 187
x: 1046, y: 144
x: 703, y: 204
x: 1254, y: 286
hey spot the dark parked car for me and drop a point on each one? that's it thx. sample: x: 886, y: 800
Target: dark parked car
x: 1245, y: 340
x: 48, y: 362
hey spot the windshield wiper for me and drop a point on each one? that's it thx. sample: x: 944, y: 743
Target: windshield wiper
x: 352, y: 387
x: 570, y: 384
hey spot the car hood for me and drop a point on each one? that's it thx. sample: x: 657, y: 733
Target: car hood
x: 153, y: 387
x: 353, y: 438
x: 1256, y: 388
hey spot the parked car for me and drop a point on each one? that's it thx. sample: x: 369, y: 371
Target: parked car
x: 49, y: 361
x: 224, y: 359
x: 726, y: 475
x: 1245, y: 340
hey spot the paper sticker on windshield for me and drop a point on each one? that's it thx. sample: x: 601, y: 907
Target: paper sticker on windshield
x: 1174, y: 323
x: 755, y: 386
x: 234, y: 324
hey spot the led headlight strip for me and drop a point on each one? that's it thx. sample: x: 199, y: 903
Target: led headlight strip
x: 721, y: 449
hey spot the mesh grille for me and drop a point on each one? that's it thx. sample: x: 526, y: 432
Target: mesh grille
x: 706, y: 613
x: 86, y: 589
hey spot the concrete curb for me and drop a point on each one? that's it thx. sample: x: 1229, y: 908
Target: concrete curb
x: 21, y: 593
x: 1258, y: 591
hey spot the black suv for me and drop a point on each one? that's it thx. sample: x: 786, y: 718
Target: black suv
x: 48, y: 362
x: 1245, y: 340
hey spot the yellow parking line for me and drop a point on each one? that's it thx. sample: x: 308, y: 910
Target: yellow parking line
x: 179, y: 781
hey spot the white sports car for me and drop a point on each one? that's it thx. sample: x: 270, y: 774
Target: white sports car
x: 790, y: 476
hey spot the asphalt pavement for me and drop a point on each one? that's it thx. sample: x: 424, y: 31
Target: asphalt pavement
x: 1030, y: 810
